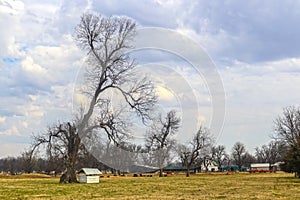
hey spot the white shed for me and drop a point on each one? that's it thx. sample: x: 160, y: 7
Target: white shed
x: 89, y: 175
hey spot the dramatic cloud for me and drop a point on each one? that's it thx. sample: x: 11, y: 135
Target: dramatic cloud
x: 254, y: 45
x: 251, y: 31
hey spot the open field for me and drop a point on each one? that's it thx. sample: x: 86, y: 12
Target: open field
x: 200, y: 186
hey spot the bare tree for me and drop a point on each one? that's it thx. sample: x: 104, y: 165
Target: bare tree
x: 205, y: 160
x: 270, y: 153
x: 109, y: 68
x: 27, y: 162
x: 248, y: 159
x: 189, y: 154
x: 238, y: 153
x: 159, y: 137
x: 64, y: 141
x: 287, y: 129
x: 219, y: 155
x: 262, y: 153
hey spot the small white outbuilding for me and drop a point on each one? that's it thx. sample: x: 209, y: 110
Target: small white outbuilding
x: 89, y: 175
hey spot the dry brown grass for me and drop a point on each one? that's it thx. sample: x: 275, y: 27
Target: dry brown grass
x: 200, y: 186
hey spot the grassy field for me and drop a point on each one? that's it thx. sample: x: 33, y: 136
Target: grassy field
x: 200, y: 186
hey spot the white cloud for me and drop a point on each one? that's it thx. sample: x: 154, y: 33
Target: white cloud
x: 12, y: 149
x: 39, y: 60
x: 33, y: 97
x: 11, y: 131
x: 11, y: 7
x: 30, y: 67
x: 164, y: 93
x: 8, y: 21
x: 34, y: 111
x: 256, y: 94
x: 24, y: 124
x: 2, y: 119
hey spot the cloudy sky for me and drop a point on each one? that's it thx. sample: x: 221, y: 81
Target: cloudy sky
x: 254, y: 46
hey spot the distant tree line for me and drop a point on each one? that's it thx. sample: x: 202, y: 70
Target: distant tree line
x: 161, y: 150
x: 191, y: 156
x: 52, y: 166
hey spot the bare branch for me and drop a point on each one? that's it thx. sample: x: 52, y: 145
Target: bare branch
x: 287, y: 127
x: 106, y: 39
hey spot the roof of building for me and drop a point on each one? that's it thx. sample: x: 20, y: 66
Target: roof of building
x: 137, y: 168
x: 174, y: 168
x: 259, y: 164
x: 90, y: 171
x: 214, y: 163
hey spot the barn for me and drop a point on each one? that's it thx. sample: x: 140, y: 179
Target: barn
x: 89, y: 175
x: 261, y: 167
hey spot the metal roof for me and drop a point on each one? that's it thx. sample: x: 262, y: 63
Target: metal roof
x: 214, y: 163
x: 90, y: 171
x: 259, y: 164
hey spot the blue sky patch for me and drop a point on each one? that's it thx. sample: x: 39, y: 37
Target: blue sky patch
x: 11, y: 60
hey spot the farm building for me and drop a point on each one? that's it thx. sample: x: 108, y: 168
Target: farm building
x: 233, y: 168
x: 175, y: 169
x: 211, y: 166
x: 89, y: 175
x: 262, y: 167
x: 136, y: 168
x: 277, y: 166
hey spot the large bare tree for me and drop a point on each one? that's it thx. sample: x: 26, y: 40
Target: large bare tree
x: 105, y: 40
x: 189, y: 154
x: 159, y: 137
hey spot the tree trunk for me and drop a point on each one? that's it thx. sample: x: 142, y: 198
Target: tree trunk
x: 160, y: 162
x: 160, y: 172
x: 187, y: 172
x: 69, y: 176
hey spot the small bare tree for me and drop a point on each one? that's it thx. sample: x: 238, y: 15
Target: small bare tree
x: 189, y: 154
x: 219, y: 155
x: 159, y: 137
x: 248, y: 159
x: 109, y: 68
x: 238, y: 154
x: 27, y: 161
